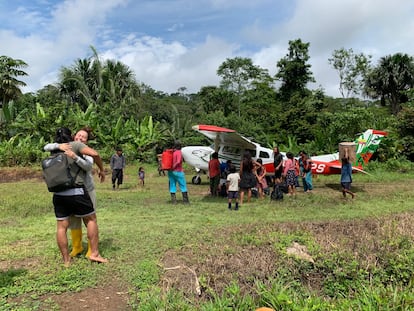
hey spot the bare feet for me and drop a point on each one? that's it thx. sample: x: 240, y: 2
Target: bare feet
x: 98, y: 259
x: 66, y: 264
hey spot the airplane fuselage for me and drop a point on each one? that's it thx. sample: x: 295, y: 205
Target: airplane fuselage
x: 199, y: 156
x: 232, y: 146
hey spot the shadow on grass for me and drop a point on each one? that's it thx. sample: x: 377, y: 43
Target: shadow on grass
x: 338, y: 187
x: 6, y: 277
x: 108, y: 244
x: 209, y: 198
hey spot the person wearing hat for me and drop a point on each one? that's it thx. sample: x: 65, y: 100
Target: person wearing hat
x: 117, y: 164
x: 176, y: 175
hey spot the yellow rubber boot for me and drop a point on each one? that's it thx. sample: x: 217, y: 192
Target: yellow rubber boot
x: 77, y: 247
x: 88, y: 253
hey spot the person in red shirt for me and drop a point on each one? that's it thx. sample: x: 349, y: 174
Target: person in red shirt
x: 176, y: 175
x: 214, y: 174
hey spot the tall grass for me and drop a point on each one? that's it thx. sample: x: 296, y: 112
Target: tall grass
x: 361, y: 249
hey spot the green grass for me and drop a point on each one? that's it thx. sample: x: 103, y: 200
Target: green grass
x: 362, y: 253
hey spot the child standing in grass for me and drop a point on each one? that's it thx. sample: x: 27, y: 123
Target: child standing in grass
x: 141, y: 176
x: 233, y: 180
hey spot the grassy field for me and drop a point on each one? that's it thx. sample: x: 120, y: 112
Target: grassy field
x: 314, y: 252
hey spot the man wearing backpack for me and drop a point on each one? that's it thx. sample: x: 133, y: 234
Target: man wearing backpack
x: 76, y: 201
x: 86, y: 164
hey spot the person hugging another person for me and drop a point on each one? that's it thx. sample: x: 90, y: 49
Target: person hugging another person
x: 85, y: 162
x: 76, y: 201
x: 233, y: 179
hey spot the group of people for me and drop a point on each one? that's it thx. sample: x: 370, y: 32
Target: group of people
x: 76, y: 204
x: 291, y: 169
x: 252, y: 174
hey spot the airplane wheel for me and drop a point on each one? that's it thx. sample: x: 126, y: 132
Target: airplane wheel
x: 196, y: 180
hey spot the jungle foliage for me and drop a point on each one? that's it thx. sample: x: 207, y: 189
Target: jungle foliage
x: 279, y: 109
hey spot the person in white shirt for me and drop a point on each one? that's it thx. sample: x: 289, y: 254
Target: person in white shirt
x: 233, y: 180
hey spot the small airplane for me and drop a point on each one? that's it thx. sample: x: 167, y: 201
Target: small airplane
x: 230, y: 146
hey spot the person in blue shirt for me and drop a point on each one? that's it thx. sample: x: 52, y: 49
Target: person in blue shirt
x: 346, y: 177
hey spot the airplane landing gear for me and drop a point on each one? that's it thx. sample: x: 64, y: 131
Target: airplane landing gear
x: 196, y: 180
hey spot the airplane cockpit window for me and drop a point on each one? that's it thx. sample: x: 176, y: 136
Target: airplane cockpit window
x: 230, y: 150
x: 264, y: 155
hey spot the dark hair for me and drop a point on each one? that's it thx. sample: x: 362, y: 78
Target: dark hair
x: 177, y: 145
x: 247, y: 162
x: 232, y: 169
x: 89, y: 131
x: 63, y: 135
x: 118, y: 149
x: 259, y: 160
x: 214, y: 155
x: 289, y: 155
x: 247, y: 155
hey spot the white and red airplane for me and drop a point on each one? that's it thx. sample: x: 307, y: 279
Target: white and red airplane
x: 230, y: 146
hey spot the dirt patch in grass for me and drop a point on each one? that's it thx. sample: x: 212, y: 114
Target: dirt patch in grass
x: 204, y: 271
x: 108, y: 297
x: 14, y: 174
x: 27, y: 263
x: 212, y: 268
x: 111, y: 297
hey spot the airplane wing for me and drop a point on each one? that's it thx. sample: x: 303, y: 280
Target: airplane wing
x: 224, y: 136
x: 354, y: 169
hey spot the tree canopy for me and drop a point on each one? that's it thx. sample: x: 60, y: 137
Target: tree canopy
x: 107, y: 96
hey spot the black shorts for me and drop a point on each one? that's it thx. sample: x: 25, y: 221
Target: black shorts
x: 233, y: 195
x: 278, y: 173
x: 76, y: 205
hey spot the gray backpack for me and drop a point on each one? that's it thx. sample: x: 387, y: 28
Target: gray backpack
x: 58, y: 172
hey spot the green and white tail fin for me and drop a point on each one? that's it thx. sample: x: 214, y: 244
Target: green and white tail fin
x: 367, y: 144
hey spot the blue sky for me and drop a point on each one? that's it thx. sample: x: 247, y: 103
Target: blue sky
x: 180, y: 43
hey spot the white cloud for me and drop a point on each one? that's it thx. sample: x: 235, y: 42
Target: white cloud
x: 169, y: 66
x: 58, y: 35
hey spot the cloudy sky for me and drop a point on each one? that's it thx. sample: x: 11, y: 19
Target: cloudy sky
x: 171, y: 44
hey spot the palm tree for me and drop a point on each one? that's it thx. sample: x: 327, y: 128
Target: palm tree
x: 10, y: 70
x: 390, y: 79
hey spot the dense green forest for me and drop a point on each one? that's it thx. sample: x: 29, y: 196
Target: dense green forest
x: 279, y: 109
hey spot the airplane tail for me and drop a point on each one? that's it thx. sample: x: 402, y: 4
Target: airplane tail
x: 367, y: 144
